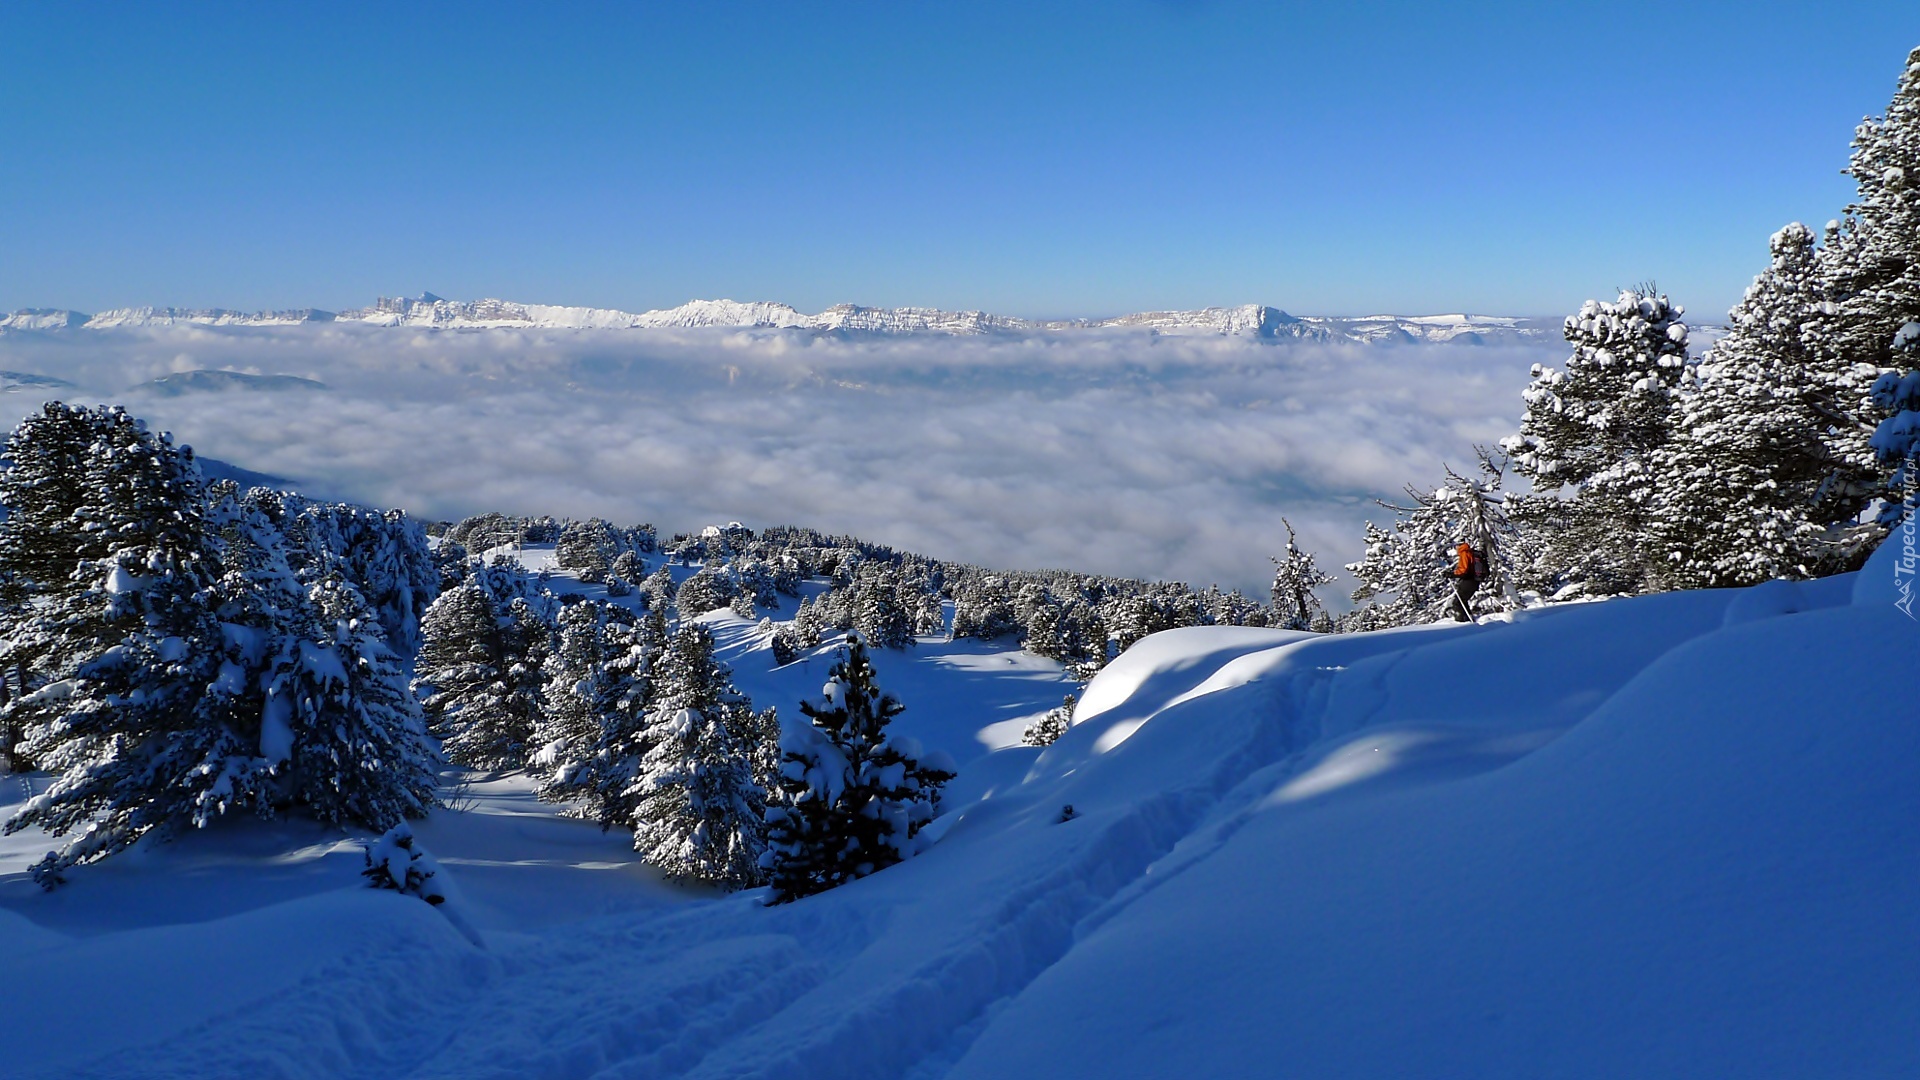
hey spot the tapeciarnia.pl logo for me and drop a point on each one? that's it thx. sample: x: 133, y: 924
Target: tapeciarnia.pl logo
x: 1905, y: 565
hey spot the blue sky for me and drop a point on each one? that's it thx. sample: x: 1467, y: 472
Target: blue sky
x: 1033, y: 159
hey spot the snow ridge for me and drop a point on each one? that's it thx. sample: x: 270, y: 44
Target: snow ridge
x: 428, y: 311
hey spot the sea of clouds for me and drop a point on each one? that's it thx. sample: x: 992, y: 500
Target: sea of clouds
x: 1156, y: 457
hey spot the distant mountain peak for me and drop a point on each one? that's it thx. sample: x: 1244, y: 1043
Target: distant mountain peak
x: 1256, y: 321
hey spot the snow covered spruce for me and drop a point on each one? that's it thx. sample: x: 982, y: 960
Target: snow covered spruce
x: 1052, y: 724
x: 177, y: 650
x: 854, y: 797
x: 396, y: 861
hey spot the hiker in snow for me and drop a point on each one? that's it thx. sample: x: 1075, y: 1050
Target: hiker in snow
x: 1469, y: 570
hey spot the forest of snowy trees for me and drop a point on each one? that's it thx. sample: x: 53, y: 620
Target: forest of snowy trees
x: 1787, y: 450
x: 176, y: 650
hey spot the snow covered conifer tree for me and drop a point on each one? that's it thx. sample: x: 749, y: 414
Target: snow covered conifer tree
x: 1295, y: 577
x: 629, y: 567
x: 697, y: 812
x: 1131, y: 618
x: 595, y: 688
x: 589, y: 548
x: 983, y: 608
x: 708, y: 590
x: 1594, y: 428
x: 1745, y: 484
x: 658, y: 589
x: 808, y: 625
x: 1872, y: 261
x: 1897, y: 439
x: 382, y: 554
x: 343, y: 718
x: 1047, y: 632
x: 1773, y: 463
x: 1411, y: 563
x: 929, y: 613
x: 479, y: 668
x: 132, y: 700
x: 856, y: 796
x: 877, y: 611
x: 1054, y: 723
x: 596, y: 769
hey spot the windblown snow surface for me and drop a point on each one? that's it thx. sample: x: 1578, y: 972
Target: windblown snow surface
x: 1666, y: 836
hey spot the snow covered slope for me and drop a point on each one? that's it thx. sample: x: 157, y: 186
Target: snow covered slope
x: 430, y: 311
x: 1665, y: 836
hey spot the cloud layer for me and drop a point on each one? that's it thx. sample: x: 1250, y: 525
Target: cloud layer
x: 1129, y: 454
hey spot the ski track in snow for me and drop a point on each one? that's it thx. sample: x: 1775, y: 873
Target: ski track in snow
x: 669, y: 990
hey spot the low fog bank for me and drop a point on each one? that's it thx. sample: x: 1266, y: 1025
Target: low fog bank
x: 1122, y: 453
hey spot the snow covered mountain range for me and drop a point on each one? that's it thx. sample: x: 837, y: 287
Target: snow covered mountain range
x: 430, y: 311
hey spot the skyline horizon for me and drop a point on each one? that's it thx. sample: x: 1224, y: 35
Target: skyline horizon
x: 1045, y: 317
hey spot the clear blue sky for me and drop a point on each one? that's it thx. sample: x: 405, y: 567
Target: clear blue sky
x: 1027, y: 158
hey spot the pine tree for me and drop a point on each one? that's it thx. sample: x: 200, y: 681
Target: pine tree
x: 596, y: 769
x: 130, y: 698
x: 1897, y: 439
x: 698, y: 815
x: 1873, y: 265
x: 589, y: 549
x: 708, y: 590
x: 595, y: 686
x: 1047, y: 633
x: 855, y: 796
x: 1410, y: 565
x: 355, y: 739
x: 382, y: 554
x: 754, y: 581
x: 983, y: 608
x: 1740, y: 481
x: 877, y: 612
x: 480, y: 667
x: 659, y: 589
x: 1131, y: 618
x: 1593, y: 429
x: 808, y: 626
x: 629, y: 569
x: 928, y: 611
x: 1052, y: 724
x: 1295, y: 577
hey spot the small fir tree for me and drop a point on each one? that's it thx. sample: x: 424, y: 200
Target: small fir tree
x: 855, y: 796
x: 698, y: 813
x: 1406, y: 574
x: 1052, y: 724
x: 1295, y: 577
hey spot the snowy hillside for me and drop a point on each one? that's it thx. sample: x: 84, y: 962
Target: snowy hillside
x: 1248, y: 321
x: 1660, y: 836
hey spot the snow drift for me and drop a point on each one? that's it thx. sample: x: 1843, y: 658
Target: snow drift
x: 1667, y: 835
